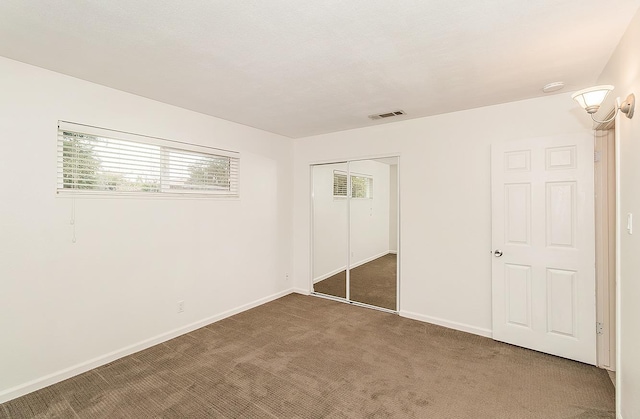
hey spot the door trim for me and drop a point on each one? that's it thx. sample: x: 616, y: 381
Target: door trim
x: 605, y: 245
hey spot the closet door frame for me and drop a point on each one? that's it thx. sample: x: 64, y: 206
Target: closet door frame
x: 348, y: 255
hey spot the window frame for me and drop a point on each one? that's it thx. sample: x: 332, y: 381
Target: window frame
x: 368, y: 187
x: 349, y: 187
x: 166, y: 147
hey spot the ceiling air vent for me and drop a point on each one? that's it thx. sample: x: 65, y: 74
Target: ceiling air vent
x: 386, y: 115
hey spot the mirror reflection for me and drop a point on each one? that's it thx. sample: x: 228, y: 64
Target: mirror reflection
x: 355, y: 231
x: 373, y: 232
x: 330, y: 218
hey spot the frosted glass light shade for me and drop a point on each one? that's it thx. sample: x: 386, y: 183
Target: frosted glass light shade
x: 591, y: 99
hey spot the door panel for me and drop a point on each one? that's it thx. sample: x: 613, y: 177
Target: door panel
x: 561, y: 304
x: 330, y: 220
x: 518, y: 213
x: 372, y: 264
x: 561, y: 214
x: 518, y: 295
x: 543, y: 223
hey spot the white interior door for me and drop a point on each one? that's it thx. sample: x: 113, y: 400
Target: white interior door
x: 543, y: 234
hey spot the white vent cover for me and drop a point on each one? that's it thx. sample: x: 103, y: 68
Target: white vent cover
x: 387, y: 114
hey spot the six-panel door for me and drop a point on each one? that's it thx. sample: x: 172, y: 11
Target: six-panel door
x: 543, y: 285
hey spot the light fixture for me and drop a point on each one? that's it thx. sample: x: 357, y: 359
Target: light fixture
x: 553, y: 87
x: 591, y: 99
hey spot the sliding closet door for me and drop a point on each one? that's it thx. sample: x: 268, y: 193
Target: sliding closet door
x: 330, y: 229
x: 373, y: 232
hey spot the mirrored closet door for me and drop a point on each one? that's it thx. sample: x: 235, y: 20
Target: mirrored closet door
x: 330, y: 233
x: 355, y: 231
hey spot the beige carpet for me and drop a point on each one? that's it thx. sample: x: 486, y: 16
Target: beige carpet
x: 372, y: 283
x: 308, y: 357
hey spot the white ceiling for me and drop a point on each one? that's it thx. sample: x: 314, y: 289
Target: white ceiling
x: 300, y: 68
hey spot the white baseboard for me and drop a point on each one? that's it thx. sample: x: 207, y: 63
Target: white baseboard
x: 447, y: 323
x: 329, y: 274
x: 47, y: 380
x: 393, y: 252
x: 369, y: 259
x: 301, y: 291
x: 355, y: 265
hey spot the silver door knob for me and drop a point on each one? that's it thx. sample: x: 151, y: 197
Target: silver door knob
x: 497, y: 253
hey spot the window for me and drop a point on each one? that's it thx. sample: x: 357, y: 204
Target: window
x: 339, y: 184
x: 361, y: 185
x: 96, y: 160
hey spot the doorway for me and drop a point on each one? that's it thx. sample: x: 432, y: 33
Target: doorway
x: 355, y: 239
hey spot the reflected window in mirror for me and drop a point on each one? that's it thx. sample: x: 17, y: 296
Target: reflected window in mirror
x: 361, y: 185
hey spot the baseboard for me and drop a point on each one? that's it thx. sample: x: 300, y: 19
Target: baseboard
x: 447, y: 323
x: 47, y: 380
x: 329, y: 274
x: 355, y: 265
x: 301, y: 291
x: 393, y: 252
x: 369, y: 259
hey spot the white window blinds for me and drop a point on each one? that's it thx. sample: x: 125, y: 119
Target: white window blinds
x: 339, y: 183
x: 361, y: 185
x: 97, y: 160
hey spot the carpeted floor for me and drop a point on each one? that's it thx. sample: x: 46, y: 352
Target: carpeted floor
x: 372, y: 283
x: 308, y: 357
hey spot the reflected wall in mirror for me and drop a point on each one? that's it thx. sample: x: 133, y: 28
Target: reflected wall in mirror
x: 355, y: 224
x: 330, y: 218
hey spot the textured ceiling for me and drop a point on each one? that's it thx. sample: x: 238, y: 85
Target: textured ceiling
x: 301, y: 68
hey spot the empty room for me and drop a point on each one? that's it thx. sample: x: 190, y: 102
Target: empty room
x: 365, y: 209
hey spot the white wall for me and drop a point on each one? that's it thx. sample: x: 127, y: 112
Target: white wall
x: 66, y: 306
x: 445, y: 199
x: 369, y: 219
x: 329, y: 224
x: 393, y: 208
x: 623, y: 71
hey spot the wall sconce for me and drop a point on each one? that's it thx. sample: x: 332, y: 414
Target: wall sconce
x: 591, y: 99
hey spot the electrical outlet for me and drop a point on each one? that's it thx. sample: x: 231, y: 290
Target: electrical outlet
x: 286, y: 276
x: 181, y: 306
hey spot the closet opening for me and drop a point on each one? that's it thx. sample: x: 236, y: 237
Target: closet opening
x: 355, y: 232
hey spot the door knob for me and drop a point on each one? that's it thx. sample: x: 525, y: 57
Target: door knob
x: 497, y: 253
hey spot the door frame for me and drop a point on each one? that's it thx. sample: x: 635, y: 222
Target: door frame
x: 605, y: 187
x: 398, y: 230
